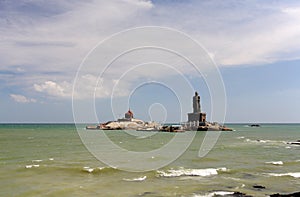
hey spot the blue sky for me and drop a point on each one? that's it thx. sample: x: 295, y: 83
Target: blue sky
x: 256, y: 45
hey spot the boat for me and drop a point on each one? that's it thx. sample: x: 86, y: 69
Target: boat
x: 254, y: 125
x: 92, y: 127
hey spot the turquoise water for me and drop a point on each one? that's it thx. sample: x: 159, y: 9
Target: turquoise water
x: 51, y: 160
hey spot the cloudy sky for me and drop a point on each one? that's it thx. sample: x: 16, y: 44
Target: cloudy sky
x: 255, y: 44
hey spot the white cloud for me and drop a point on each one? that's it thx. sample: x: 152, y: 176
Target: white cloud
x: 247, y: 33
x: 87, y: 86
x: 55, y: 37
x: 22, y: 99
x: 54, y: 89
x: 60, y: 41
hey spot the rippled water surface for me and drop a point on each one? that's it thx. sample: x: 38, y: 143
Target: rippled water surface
x: 50, y: 160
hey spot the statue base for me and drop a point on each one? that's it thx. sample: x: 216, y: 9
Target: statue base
x: 194, y: 117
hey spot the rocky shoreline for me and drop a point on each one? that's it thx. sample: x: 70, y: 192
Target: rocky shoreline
x: 240, y: 194
x: 296, y: 194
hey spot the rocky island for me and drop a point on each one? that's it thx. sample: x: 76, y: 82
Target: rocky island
x: 196, y: 122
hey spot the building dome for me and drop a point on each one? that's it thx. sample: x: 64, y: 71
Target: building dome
x: 129, y: 114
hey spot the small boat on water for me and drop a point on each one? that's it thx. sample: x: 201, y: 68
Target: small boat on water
x: 254, y: 125
x: 92, y: 127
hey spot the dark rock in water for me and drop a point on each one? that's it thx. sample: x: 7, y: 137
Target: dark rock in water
x: 229, y: 194
x: 296, y: 194
x: 230, y: 187
x: 239, y: 194
x: 259, y: 187
x: 294, y: 143
x: 148, y: 194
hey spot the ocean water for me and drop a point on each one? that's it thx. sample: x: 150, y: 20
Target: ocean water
x: 51, y: 160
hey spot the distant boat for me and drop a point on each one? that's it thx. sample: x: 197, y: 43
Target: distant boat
x: 92, y: 127
x: 254, y: 125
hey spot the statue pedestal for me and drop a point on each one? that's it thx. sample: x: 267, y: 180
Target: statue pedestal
x: 201, y: 117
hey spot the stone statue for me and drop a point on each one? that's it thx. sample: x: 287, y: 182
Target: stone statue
x: 196, y: 103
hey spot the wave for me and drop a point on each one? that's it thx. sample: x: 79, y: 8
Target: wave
x: 37, y: 160
x: 32, y: 166
x: 136, y: 179
x: 269, y: 142
x: 275, y: 162
x: 66, y: 167
x: 215, y: 193
x: 292, y: 174
x: 190, y: 172
x: 97, y: 169
x: 88, y: 169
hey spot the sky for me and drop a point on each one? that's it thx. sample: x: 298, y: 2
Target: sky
x: 45, y: 46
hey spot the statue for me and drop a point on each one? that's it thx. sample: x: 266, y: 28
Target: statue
x: 197, y: 117
x: 196, y: 103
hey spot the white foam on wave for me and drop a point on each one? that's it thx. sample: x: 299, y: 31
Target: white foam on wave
x: 51, y: 159
x: 30, y: 166
x: 232, y: 178
x: 275, y: 162
x: 267, y: 142
x: 190, y: 172
x: 241, y: 137
x: 215, y: 193
x: 292, y: 174
x: 88, y: 169
x: 248, y: 140
x: 136, y: 179
x: 96, y: 169
x: 37, y: 160
x: 254, y: 141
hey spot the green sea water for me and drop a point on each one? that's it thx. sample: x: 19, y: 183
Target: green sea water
x: 51, y: 160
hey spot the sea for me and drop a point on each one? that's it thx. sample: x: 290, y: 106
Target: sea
x: 52, y: 160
